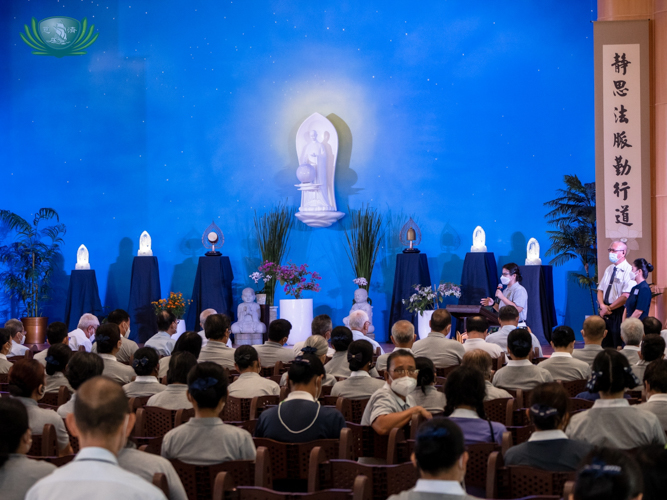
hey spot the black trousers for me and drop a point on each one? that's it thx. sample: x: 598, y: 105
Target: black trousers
x: 613, y: 321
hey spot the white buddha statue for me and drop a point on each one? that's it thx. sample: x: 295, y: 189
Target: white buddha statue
x: 248, y: 314
x: 315, y: 156
x: 361, y: 304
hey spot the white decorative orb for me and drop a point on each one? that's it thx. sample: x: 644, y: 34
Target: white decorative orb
x: 212, y: 237
x: 145, y: 245
x: 305, y: 173
x: 82, y: 258
x: 478, y: 240
x: 533, y: 253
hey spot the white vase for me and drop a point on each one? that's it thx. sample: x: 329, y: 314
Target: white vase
x: 423, y: 320
x: 299, y: 312
x: 180, y: 329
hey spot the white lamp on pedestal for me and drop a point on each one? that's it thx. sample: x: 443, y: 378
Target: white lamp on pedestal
x: 533, y: 253
x: 145, y: 245
x: 478, y: 240
x: 82, y: 258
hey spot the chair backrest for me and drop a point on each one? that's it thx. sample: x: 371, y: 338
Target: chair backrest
x: 284, y: 391
x: 3, y: 378
x: 266, y: 371
x: 160, y: 480
x: 64, y: 395
x: 352, y: 409
x: 498, y: 362
x: 28, y: 355
x: 499, y: 410
x: 236, y: 409
x: 50, y: 398
x: 328, y: 400
x: 574, y: 387
x: 138, y: 402
x: 443, y: 372
x: 280, y: 368
x: 45, y: 444
x: 259, y: 403
x: 476, y: 470
x: 154, y: 422
x: 578, y: 404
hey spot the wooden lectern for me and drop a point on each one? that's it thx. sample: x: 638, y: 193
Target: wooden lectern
x: 461, y: 312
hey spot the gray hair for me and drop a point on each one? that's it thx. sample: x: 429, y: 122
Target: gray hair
x: 205, y: 314
x: 357, y: 320
x: 14, y: 326
x: 88, y: 320
x: 321, y: 325
x: 403, y: 332
x: 632, y: 331
x: 319, y: 343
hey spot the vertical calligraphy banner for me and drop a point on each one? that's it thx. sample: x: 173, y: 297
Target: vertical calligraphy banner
x: 623, y: 137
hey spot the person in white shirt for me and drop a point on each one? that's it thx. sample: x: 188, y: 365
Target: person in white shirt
x: 175, y: 396
x: 441, y: 459
x: 317, y: 346
x: 102, y: 421
x: 653, y: 347
x: 593, y: 331
x: 613, y: 290
x: 145, y: 365
x: 477, y: 327
x: 17, y: 333
x: 514, y: 295
x: 403, y: 337
x: 190, y: 342
x: 250, y: 384
x: 218, y: 330
x: 437, y: 346
x: 338, y: 365
x: 359, y: 324
x: 482, y: 362
x: 82, y: 366
x: 561, y: 364
x: 128, y: 347
x: 162, y: 341
x: 322, y: 326
x: 272, y: 350
x: 655, y: 383
x: 56, y: 333
x: 108, y: 344
x: 360, y: 384
x: 426, y: 394
x: 632, y: 333
x: 5, y: 347
x: 508, y: 316
x: 520, y: 373
x: 88, y: 324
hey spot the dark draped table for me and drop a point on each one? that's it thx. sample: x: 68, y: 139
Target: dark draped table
x: 411, y: 269
x: 83, y: 296
x: 479, y: 278
x: 539, y: 284
x: 144, y: 289
x: 212, y: 289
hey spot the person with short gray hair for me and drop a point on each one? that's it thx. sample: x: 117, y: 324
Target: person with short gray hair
x: 85, y: 330
x: 322, y: 326
x: 613, y: 291
x: 358, y: 322
x: 403, y: 337
x: 632, y: 333
x: 17, y: 333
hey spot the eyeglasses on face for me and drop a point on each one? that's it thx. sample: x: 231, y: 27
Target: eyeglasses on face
x: 410, y: 371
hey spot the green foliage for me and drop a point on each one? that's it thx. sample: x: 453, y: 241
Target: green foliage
x: 573, y: 216
x: 31, y: 258
x: 363, y: 241
x: 273, y: 230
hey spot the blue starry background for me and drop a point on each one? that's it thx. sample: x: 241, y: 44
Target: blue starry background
x: 455, y: 113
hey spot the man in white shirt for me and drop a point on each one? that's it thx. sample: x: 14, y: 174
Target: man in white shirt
x: 655, y: 383
x: 613, y: 290
x: 102, y: 421
x: 436, y: 346
x: 561, y: 364
x: 217, y: 331
x: 108, y: 345
x: 128, y: 347
x: 322, y: 326
x: 272, y: 350
x: 162, y: 341
x: 520, y: 373
x: 17, y: 333
x: 477, y: 327
x: 632, y: 333
x: 56, y: 333
x: 403, y: 337
x: 359, y: 324
x: 594, y: 331
x: 508, y: 316
x: 88, y: 324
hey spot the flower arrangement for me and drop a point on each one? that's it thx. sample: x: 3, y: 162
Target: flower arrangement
x: 360, y: 282
x: 256, y: 276
x: 363, y: 243
x: 174, y: 303
x: 295, y: 279
x: 428, y: 297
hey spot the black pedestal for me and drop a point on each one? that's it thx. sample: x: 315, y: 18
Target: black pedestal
x: 479, y: 278
x: 212, y: 289
x: 144, y: 289
x: 83, y: 297
x: 411, y: 269
x: 539, y: 284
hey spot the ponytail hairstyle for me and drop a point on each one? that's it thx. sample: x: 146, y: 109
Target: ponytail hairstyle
x: 341, y: 338
x: 551, y: 406
x: 611, y: 373
x: 245, y: 356
x: 426, y: 375
x: 207, y: 384
x: 145, y: 361
x: 14, y: 419
x: 57, y: 358
x: 514, y: 270
x: 466, y: 386
x: 608, y: 474
x: 642, y: 265
x: 318, y: 344
x: 304, y: 368
x: 359, y: 354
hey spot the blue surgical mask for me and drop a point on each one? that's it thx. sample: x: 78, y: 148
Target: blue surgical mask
x: 613, y: 257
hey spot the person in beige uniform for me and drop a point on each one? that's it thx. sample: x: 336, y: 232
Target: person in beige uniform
x: 128, y: 347
x: 632, y: 333
x: 272, y: 350
x: 403, y: 337
x: 190, y: 342
x: 481, y: 361
x: 561, y: 364
x: 5, y: 347
x: 82, y: 366
x: 338, y: 365
x: 175, y: 397
x: 56, y: 333
x: 653, y: 347
x: 56, y: 364
x: 594, y: 331
x: 441, y: 350
x: 218, y: 329
x: 250, y: 384
x: 108, y: 344
x: 520, y: 373
x: 360, y: 384
x: 655, y: 383
x: 145, y: 365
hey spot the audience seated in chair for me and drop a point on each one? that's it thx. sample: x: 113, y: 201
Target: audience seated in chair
x: 653, y: 347
x: 441, y: 459
x: 609, y: 474
x: 162, y: 341
x: 338, y: 365
x: 437, y: 347
x: 561, y: 364
x: 612, y: 421
x: 82, y: 334
x: 82, y: 366
x: 218, y: 330
x: 205, y: 439
x: 403, y: 337
x: 272, y: 350
x: 127, y: 347
x: 17, y: 333
x: 476, y: 334
x: 322, y: 326
x: 481, y: 361
x: 359, y: 325
x: 5, y: 347
x: 359, y: 385
x: 593, y: 331
x: 392, y: 406
x: 56, y: 362
x: 102, y: 421
x: 18, y: 473
x: 108, y: 344
x: 56, y: 333
x: 508, y: 316
x: 26, y: 384
x: 549, y: 448
x: 655, y: 384
x: 425, y: 394
x: 465, y: 391
x: 632, y: 333
x: 652, y: 461
x: 317, y: 346
x: 520, y: 373
x: 300, y: 417
x: 145, y: 365
x: 175, y: 395
x: 190, y: 342
x: 250, y: 383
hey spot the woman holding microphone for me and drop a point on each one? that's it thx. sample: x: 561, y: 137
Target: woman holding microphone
x: 514, y: 295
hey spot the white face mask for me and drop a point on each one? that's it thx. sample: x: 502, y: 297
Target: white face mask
x: 127, y: 334
x: 23, y: 338
x: 613, y: 257
x: 404, y: 385
x: 505, y: 280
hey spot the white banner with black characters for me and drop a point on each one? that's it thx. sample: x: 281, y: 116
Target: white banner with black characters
x: 622, y: 141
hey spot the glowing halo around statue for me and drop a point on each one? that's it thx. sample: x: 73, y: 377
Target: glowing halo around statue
x: 145, y: 245
x: 533, y: 253
x: 478, y: 240
x: 82, y: 258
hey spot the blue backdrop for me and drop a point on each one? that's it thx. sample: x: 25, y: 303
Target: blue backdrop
x: 456, y: 113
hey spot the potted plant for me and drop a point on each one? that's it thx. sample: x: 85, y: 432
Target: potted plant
x: 30, y: 262
x: 363, y: 244
x: 261, y: 293
x: 176, y: 304
x: 425, y: 299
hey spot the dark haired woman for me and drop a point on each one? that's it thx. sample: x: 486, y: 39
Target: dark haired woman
x: 549, y: 448
x: 640, y: 296
x: 188, y: 341
x: 57, y: 358
x: 426, y: 395
x: 206, y: 439
x: 145, y: 364
x: 360, y: 384
x: 17, y: 472
x: 250, y: 383
x: 514, y: 295
x: 82, y: 366
x: 610, y: 475
x: 612, y: 421
x: 338, y: 366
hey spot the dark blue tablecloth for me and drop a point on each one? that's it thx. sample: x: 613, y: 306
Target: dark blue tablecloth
x: 213, y: 288
x: 83, y: 297
x: 479, y: 278
x: 144, y: 289
x: 538, y: 282
x: 411, y: 269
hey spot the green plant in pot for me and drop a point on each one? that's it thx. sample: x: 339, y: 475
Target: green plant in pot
x: 363, y: 243
x: 29, y: 263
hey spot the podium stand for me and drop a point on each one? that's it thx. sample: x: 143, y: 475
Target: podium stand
x: 539, y: 285
x: 411, y: 269
x: 83, y: 296
x: 462, y: 312
x: 479, y: 279
x: 212, y: 289
x: 144, y: 289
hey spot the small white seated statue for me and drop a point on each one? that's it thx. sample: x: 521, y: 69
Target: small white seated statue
x: 361, y: 304
x: 248, y: 314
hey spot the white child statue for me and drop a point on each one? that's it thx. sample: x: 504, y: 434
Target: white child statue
x: 248, y: 314
x: 361, y: 303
